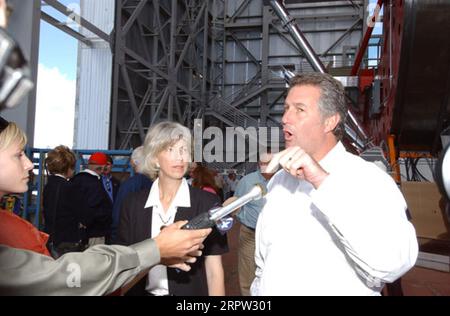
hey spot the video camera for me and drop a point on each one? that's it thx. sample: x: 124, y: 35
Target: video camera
x: 15, y: 80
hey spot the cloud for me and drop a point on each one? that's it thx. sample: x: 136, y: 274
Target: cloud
x: 55, y: 108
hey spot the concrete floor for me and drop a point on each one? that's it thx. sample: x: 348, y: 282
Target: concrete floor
x: 426, y: 282
x: 417, y: 282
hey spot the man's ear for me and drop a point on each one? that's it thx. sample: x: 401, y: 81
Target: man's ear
x: 331, y: 122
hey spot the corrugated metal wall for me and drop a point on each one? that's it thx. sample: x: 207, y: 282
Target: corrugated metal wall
x: 93, y: 105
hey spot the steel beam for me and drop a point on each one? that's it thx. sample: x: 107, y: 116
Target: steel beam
x: 78, y: 19
x: 264, y: 106
x: 191, y: 37
x: 134, y: 107
x: 156, y: 8
x: 344, y: 35
x: 163, y: 65
x: 244, y: 49
x: 298, y: 36
x: 145, y: 63
x: 239, y: 10
x: 51, y: 20
x: 137, y: 11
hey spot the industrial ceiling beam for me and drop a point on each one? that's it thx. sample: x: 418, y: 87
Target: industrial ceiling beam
x: 78, y: 19
x: 51, y: 20
x: 159, y: 61
x: 136, y: 12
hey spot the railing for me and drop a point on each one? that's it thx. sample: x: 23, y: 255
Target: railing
x: 233, y: 115
x: 32, y: 200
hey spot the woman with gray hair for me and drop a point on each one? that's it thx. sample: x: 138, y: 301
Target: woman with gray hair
x: 137, y: 157
x: 26, y: 267
x: 167, y: 152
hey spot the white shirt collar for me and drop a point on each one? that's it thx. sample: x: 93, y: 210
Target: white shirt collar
x: 332, y: 157
x: 91, y: 172
x: 61, y: 176
x: 182, y: 197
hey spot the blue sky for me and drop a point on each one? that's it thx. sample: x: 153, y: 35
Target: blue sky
x: 58, y: 49
x: 56, y: 84
x: 55, y: 109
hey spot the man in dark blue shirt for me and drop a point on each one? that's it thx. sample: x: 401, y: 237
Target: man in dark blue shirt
x: 135, y: 183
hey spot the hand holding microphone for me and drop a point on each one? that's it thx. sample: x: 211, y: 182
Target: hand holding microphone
x: 217, y: 216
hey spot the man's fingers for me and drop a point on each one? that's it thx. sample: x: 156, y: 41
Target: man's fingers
x: 193, y: 248
x: 300, y: 174
x: 287, y: 157
x: 295, y: 162
x: 201, y: 233
x: 191, y: 260
x: 296, y: 165
x: 272, y: 167
x: 275, y: 162
x: 179, y: 224
x: 195, y: 253
x: 181, y: 266
x: 279, y: 159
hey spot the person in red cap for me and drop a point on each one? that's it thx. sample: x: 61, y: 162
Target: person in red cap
x: 25, y: 265
x: 97, y: 161
x: 110, y: 183
x: 93, y: 201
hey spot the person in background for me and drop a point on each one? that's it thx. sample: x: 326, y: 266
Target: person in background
x: 26, y: 267
x: 218, y: 179
x: 167, y: 151
x: 93, y: 200
x: 63, y: 221
x: 203, y: 179
x: 14, y: 176
x: 230, y: 184
x: 135, y: 183
x: 248, y: 217
x: 333, y: 223
x: 190, y: 173
x: 110, y: 183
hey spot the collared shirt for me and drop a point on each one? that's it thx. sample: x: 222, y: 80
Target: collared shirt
x: 61, y: 176
x: 248, y: 215
x: 91, y: 172
x: 157, y: 282
x: 231, y: 184
x: 348, y: 237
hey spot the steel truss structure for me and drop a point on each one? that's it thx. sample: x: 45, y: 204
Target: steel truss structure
x: 219, y: 60
x: 164, y: 65
x: 174, y: 60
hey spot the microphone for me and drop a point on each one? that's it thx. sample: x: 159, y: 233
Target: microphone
x: 213, y: 216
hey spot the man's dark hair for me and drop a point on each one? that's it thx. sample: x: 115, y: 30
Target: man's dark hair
x: 332, y: 97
